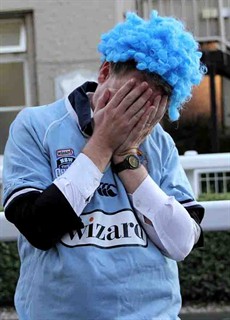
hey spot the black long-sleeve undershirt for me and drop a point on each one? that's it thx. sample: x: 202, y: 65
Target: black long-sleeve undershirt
x: 43, y: 218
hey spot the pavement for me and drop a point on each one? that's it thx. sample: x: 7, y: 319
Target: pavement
x: 187, y: 313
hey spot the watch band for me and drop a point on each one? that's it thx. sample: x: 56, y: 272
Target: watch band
x: 131, y: 162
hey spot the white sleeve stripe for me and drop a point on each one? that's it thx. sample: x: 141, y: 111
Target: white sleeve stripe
x: 190, y: 204
x: 18, y: 193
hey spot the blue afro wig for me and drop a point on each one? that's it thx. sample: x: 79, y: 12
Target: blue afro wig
x: 160, y: 45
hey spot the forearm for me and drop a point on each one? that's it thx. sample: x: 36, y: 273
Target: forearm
x: 167, y: 222
x: 44, y: 217
x: 131, y: 179
x: 98, y: 152
x: 79, y: 182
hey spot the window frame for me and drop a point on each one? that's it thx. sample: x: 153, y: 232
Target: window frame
x: 26, y: 57
x: 22, y: 37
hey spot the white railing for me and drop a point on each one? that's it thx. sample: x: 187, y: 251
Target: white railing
x: 195, y: 165
x: 8, y: 232
x: 217, y: 215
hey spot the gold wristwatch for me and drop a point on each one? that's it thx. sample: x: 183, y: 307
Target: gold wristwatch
x: 131, y: 162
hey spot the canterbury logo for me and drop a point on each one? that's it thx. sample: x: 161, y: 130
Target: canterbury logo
x: 107, y: 189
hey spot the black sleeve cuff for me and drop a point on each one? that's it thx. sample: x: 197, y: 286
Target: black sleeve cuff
x: 197, y: 213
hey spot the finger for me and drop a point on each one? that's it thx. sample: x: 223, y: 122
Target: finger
x: 152, y: 116
x: 161, y: 108
x: 155, y: 106
x: 164, y: 102
x: 131, y: 97
x: 136, y: 117
x: 139, y: 130
x: 121, y: 93
x: 139, y: 103
x: 103, y: 100
x: 160, y: 104
x: 137, y: 133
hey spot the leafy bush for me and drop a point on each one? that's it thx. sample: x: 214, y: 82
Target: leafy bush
x: 9, y: 271
x: 214, y: 196
x: 205, y: 273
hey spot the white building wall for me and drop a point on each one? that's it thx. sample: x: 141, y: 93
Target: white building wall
x: 66, y: 35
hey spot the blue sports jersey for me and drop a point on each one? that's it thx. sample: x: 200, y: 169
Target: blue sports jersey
x: 109, y: 269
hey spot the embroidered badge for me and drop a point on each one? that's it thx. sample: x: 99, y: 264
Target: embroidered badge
x: 63, y: 164
x: 65, y: 157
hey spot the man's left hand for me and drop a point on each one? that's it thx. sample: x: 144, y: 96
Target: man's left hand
x: 150, y: 118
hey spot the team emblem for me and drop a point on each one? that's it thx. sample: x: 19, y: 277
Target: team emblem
x: 65, y: 157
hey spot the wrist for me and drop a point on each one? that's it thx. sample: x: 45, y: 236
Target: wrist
x: 120, y: 156
x: 128, y: 162
x: 99, y: 154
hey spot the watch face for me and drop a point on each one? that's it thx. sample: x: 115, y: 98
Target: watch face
x: 134, y: 161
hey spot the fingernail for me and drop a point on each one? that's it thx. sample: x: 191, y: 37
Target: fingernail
x: 144, y: 84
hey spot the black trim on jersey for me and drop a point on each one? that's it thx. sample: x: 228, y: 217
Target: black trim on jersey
x: 81, y: 104
x: 17, y: 190
x: 197, y: 213
x: 186, y: 201
x: 43, y: 218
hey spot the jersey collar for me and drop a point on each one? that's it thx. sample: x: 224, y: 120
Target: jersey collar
x: 80, y: 103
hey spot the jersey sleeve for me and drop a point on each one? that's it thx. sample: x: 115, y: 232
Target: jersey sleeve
x: 175, y: 183
x: 26, y: 163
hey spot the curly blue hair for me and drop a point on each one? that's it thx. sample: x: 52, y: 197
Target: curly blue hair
x: 160, y: 45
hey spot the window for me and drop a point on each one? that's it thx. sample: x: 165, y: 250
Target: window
x: 12, y: 35
x: 17, y: 73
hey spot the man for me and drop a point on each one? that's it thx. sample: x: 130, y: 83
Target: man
x: 95, y: 186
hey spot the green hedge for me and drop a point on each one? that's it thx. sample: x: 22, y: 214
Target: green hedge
x: 204, y: 274
x: 9, y: 270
